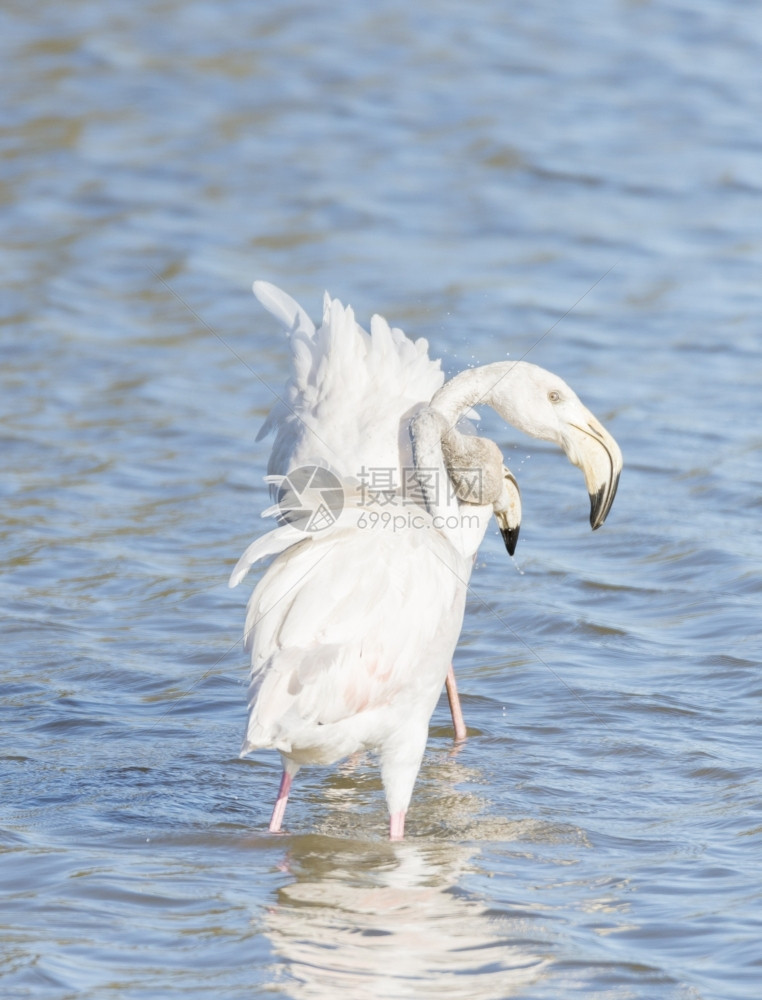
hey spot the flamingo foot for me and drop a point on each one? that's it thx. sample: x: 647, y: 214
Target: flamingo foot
x: 280, y: 803
x: 455, y: 710
x: 397, y: 826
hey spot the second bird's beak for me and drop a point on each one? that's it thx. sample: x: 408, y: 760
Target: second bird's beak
x: 510, y: 537
x: 508, y: 511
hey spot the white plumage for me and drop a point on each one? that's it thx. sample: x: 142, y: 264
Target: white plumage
x: 351, y: 635
x: 351, y: 630
x: 345, y: 404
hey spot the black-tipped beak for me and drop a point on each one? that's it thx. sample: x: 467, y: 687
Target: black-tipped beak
x: 510, y: 537
x: 601, y: 501
x: 595, y: 451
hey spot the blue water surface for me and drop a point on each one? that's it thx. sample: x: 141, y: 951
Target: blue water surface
x: 574, y: 183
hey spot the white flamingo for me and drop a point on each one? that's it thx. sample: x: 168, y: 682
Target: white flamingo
x: 351, y: 631
x: 348, y: 406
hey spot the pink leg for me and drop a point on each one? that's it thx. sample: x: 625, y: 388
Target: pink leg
x: 455, y: 709
x: 280, y: 803
x: 397, y: 826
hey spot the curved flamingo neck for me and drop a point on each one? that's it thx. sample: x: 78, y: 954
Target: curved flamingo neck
x: 474, y: 386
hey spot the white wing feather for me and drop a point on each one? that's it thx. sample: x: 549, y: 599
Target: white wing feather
x: 269, y: 544
x: 281, y: 305
x: 350, y: 391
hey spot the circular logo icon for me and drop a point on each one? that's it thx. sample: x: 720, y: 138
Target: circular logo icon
x: 310, y: 498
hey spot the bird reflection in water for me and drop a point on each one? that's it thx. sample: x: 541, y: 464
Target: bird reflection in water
x: 372, y: 920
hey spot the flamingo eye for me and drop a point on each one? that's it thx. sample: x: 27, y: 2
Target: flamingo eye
x: 554, y: 396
